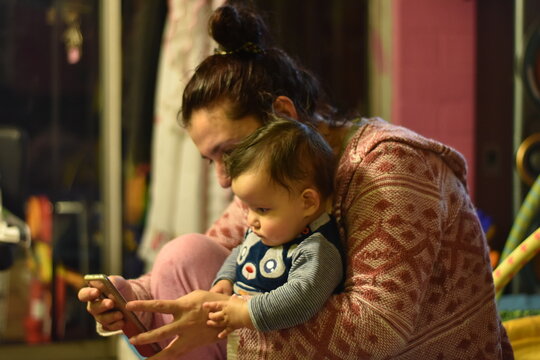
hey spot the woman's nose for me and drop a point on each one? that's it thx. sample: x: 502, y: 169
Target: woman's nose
x: 223, y: 179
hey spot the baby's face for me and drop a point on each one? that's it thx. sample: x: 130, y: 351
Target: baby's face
x: 274, y: 214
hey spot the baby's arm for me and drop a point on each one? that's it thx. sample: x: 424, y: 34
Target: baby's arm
x: 316, y: 272
x: 231, y: 315
x: 226, y: 275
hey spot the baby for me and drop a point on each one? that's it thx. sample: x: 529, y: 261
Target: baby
x: 290, y: 257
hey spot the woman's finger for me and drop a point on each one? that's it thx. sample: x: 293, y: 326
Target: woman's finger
x: 168, y: 353
x: 115, y: 326
x: 160, y: 306
x: 98, y: 307
x: 88, y: 294
x: 213, y: 323
x: 162, y: 333
x: 108, y: 318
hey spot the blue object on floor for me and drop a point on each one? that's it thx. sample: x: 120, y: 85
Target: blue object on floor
x: 515, y: 306
x: 130, y: 345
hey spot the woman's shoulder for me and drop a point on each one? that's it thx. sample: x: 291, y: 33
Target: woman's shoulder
x: 371, y: 133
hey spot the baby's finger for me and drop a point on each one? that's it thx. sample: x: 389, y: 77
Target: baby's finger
x: 212, y: 306
x: 223, y: 334
x: 213, y: 323
x: 216, y: 316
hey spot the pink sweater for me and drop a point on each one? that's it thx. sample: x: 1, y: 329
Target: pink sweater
x: 418, y: 281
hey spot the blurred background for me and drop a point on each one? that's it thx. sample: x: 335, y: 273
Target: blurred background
x: 96, y: 175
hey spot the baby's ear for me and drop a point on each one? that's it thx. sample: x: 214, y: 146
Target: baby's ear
x: 285, y: 106
x: 312, y: 201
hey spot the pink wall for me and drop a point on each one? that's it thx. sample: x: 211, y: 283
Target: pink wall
x: 434, y: 59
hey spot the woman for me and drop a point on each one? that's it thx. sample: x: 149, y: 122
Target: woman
x: 418, y: 280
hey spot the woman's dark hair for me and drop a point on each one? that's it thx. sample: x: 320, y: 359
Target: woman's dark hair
x: 249, y: 73
x: 291, y: 152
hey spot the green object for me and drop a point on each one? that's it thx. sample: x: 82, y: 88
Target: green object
x: 523, y: 220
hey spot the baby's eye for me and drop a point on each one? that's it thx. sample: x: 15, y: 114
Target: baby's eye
x: 262, y: 210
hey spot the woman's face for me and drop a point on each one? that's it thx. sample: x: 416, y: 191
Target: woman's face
x: 214, y: 134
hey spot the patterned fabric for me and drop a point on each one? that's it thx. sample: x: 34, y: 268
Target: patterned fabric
x: 418, y: 281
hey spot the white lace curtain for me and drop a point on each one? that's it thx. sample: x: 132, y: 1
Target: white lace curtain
x: 184, y: 194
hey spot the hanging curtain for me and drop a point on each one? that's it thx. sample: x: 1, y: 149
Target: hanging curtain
x: 184, y: 197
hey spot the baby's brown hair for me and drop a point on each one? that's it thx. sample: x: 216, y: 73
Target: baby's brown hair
x: 291, y: 152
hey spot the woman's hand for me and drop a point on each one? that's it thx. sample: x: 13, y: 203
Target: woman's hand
x: 189, y: 324
x: 103, y: 309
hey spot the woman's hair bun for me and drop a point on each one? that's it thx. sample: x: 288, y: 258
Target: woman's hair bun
x: 233, y: 25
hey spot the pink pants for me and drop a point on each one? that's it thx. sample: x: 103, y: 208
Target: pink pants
x: 188, y: 263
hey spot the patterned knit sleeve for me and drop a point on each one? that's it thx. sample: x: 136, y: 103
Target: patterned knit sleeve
x: 389, y: 207
x: 230, y: 228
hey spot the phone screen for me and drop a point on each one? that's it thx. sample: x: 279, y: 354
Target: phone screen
x: 133, y: 325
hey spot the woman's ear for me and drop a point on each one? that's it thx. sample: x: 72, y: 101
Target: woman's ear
x: 312, y: 201
x: 284, y: 106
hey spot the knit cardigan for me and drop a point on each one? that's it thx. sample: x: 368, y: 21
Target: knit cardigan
x: 418, y: 280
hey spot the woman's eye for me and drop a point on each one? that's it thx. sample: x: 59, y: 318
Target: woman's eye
x: 208, y: 161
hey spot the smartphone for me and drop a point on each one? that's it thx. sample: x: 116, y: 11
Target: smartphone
x: 133, y: 325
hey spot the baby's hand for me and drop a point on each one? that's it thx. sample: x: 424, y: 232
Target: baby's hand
x: 223, y: 287
x: 230, y: 315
